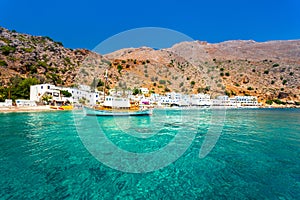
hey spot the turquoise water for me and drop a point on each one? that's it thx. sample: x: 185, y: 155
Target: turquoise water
x: 257, y: 156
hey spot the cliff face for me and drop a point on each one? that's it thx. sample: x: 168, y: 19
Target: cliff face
x: 269, y: 70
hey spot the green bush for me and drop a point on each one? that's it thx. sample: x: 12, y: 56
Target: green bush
x: 227, y: 93
x: 42, y: 63
x: 120, y: 68
x: 100, y: 83
x: 249, y: 88
x: 59, y: 43
x: 162, y: 82
x: 68, y: 60
x: 272, y: 82
x: 7, y: 41
x: 284, y: 82
x: 33, y: 69
x: 167, y: 89
x: 193, y: 83
x: 136, y: 91
x: 6, y: 50
x: 3, y: 63
x: 28, y: 50
x: 270, y: 102
x: 66, y: 93
x: 266, y: 72
x: 227, y: 74
x: 221, y: 74
x: 277, y: 101
x: 221, y: 69
x: 48, y: 38
x: 275, y: 65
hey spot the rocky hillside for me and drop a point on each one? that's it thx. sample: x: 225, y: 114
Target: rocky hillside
x: 40, y: 57
x: 269, y: 70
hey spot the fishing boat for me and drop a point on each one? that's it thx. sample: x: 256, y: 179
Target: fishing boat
x: 117, y: 106
x: 94, y: 112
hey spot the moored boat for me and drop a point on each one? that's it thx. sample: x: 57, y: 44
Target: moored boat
x: 116, y: 112
x: 64, y: 107
x: 117, y: 106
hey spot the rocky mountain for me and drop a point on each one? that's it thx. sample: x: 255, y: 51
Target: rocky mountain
x: 269, y: 70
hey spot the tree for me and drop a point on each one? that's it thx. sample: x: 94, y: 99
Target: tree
x: 66, y: 93
x: 284, y: 82
x: 136, y: 91
x: 119, y: 68
x: 46, y: 98
x: 20, y: 88
x: 193, y: 83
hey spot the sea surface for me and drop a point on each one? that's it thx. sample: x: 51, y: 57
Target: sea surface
x: 246, y: 154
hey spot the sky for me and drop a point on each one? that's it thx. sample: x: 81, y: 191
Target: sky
x: 85, y: 24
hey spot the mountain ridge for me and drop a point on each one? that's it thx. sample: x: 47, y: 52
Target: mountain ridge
x: 269, y: 70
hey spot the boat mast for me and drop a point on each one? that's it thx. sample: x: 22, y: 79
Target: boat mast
x: 105, y: 76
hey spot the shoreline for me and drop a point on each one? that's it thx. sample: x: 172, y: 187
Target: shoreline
x: 14, y: 109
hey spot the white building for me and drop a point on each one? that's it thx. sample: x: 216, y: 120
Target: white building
x: 174, y: 98
x: 83, y: 94
x: 38, y: 91
x: 6, y: 103
x: 25, y: 103
x: 237, y: 101
x: 200, y: 100
x: 144, y: 90
x: 246, y: 100
x: 119, y: 92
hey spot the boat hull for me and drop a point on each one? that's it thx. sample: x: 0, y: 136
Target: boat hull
x: 93, y: 112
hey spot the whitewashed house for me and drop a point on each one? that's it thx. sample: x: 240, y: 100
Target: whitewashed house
x: 247, y: 100
x: 6, y: 103
x: 200, y: 100
x: 25, y: 103
x: 38, y: 91
x: 144, y: 90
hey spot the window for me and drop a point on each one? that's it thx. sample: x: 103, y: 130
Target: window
x: 48, y: 86
x: 55, y: 94
x: 41, y: 87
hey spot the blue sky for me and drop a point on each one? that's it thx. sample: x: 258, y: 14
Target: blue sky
x: 84, y: 24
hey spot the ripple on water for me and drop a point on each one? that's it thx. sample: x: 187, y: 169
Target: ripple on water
x: 257, y: 156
